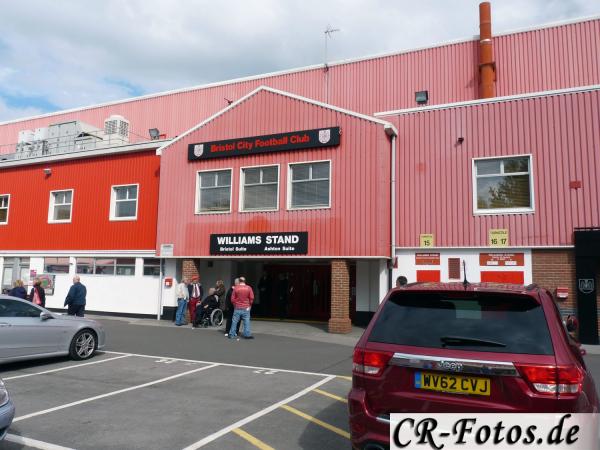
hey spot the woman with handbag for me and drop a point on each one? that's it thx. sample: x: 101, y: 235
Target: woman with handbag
x: 37, y: 295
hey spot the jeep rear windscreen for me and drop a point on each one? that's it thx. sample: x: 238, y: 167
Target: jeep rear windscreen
x: 474, y: 321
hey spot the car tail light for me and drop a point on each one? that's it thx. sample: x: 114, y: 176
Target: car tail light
x: 370, y: 362
x: 553, y: 380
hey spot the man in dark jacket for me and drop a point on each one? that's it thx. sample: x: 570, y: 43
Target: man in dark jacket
x: 229, y: 309
x: 76, y: 298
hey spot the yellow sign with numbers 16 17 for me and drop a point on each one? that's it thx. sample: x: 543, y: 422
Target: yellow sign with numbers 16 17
x: 498, y: 238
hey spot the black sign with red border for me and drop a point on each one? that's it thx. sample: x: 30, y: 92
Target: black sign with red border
x: 323, y: 137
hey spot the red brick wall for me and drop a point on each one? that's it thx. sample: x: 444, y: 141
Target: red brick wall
x: 340, y: 297
x: 553, y: 268
x: 189, y: 269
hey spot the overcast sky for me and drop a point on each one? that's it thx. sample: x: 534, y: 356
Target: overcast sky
x: 58, y: 54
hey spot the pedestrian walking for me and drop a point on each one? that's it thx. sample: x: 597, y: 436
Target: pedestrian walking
x: 182, y: 298
x: 75, y: 300
x: 242, y: 299
x: 196, y: 293
x: 229, y: 309
x: 18, y: 290
x: 37, y: 295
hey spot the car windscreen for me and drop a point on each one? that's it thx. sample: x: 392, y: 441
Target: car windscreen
x: 471, y: 321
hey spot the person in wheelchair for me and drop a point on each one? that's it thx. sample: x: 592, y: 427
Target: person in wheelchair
x: 205, y: 309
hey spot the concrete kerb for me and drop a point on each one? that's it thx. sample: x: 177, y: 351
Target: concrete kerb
x: 309, y: 331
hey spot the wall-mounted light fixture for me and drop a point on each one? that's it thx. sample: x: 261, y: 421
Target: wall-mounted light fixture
x: 154, y: 133
x: 47, y: 171
x: 460, y: 140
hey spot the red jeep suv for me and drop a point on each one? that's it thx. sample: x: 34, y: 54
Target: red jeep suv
x: 460, y: 347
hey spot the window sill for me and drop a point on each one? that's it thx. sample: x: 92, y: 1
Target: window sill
x: 208, y: 213
x: 303, y: 208
x: 246, y: 211
x: 122, y: 219
x: 499, y: 212
x: 59, y: 221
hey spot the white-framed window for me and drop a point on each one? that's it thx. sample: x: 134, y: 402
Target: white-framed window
x: 106, y: 266
x: 503, y: 185
x: 124, y: 202
x: 151, y: 267
x: 309, y: 185
x: 213, y: 192
x: 61, y: 206
x: 56, y: 265
x: 259, y: 188
x: 4, y: 204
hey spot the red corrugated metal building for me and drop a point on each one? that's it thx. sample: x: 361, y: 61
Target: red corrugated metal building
x: 335, y: 180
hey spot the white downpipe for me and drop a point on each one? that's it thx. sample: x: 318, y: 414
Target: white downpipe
x: 160, y: 289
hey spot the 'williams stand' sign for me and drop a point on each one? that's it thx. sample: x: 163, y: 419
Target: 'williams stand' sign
x: 259, y: 244
x: 325, y: 137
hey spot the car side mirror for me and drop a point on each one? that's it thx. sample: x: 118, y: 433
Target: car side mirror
x: 45, y: 315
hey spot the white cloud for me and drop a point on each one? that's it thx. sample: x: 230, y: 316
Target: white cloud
x: 74, y: 53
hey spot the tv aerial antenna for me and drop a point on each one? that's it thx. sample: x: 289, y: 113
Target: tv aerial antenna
x: 328, y: 32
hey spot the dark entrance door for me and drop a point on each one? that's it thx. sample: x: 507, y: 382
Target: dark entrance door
x: 587, y: 260
x: 299, y: 291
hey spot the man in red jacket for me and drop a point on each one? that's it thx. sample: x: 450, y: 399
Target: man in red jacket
x: 242, y: 299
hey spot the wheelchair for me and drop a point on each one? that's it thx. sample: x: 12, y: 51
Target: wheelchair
x: 214, y: 318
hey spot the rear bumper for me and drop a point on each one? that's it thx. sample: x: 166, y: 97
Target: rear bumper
x: 7, y: 413
x: 366, y: 429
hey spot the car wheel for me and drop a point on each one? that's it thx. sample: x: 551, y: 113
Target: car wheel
x: 83, y: 345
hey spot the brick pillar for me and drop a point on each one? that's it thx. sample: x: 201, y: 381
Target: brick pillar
x: 340, y: 297
x: 189, y: 269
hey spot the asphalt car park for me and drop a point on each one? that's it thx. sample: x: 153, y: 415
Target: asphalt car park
x: 130, y: 401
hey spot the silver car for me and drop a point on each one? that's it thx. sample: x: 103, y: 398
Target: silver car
x: 7, y: 410
x: 28, y: 331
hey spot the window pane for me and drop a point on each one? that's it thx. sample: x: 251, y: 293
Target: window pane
x: 310, y: 193
x: 85, y: 265
x: 422, y: 320
x: 488, y: 166
x: 68, y: 196
x: 260, y: 197
x: 224, y: 178
x: 4, y: 201
x: 513, y: 165
x: 216, y: 199
x: 207, y: 179
x: 251, y: 176
x: 3, y: 215
x: 105, y: 266
x: 126, y: 270
x: 503, y: 192
x: 62, y: 212
x: 152, y: 267
x: 56, y: 265
x: 13, y: 308
x: 125, y: 208
x: 320, y: 170
x: 300, y: 172
x: 125, y: 261
x: 269, y: 175
x: 121, y: 193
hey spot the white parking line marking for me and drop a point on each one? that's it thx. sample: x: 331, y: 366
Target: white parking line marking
x: 65, y: 368
x: 110, y: 394
x: 241, y: 366
x: 267, y: 410
x: 33, y: 443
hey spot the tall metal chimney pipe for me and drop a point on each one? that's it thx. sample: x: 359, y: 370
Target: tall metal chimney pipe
x: 487, y: 66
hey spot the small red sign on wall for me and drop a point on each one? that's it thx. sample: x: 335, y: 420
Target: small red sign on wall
x: 428, y: 275
x: 503, y: 277
x: 427, y: 259
x: 501, y: 259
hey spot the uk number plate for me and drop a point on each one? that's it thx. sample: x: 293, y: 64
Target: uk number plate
x: 457, y: 384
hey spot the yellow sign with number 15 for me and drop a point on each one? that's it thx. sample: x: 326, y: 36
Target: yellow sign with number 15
x: 427, y: 240
x: 498, y: 238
